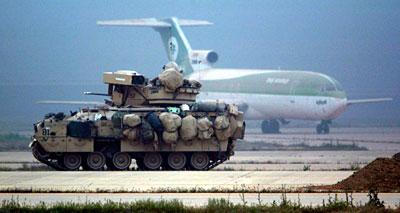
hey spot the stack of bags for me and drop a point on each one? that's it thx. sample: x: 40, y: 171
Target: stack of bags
x: 171, y: 127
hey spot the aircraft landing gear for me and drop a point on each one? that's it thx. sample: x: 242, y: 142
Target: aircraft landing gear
x: 323, y: 127
x: 270, y: 126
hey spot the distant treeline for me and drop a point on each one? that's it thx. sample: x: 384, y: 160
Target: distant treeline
x: 14, y: 142
x: 263, y: 146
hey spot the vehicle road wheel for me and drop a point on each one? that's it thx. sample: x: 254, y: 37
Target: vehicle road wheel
x: 176, y: 160
x: 152, y: 161
x: 270, y: 126
x: 326, y: 129
x: 274, y: 126
x: 199, y: 161
x: 121, y: 160
x: 265, y: 127
x: 319, y: 129
x: 95, y: 161
x: 72, y: 161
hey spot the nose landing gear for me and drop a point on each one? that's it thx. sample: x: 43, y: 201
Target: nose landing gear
x: 270, y: 126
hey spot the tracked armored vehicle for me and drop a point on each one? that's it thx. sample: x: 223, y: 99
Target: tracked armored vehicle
x: 157, y: 123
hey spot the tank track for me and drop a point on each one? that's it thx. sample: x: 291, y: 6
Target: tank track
x: 214, y: 164
x: 45, y: 158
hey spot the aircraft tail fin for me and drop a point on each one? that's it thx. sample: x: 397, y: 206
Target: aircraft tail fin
x: 175, y: 42
x: 152, y: 22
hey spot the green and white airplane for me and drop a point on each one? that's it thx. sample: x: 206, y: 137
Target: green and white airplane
x: 269, y: 95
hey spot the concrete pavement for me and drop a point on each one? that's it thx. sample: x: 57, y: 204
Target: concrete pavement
x: 164, y: 181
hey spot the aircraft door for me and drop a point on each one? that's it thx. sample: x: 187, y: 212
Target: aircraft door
x: 297, y: 103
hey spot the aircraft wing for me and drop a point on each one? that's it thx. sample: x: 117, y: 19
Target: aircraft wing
x: 366, y: 101
x: 152, y: 22
x: 95, y: 103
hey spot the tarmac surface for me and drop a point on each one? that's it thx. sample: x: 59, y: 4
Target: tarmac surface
x: 277, y: 173
x: 285, y: 151
x: 165, y: 181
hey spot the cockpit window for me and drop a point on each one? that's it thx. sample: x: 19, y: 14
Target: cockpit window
x: 327, y: 87
x: 330, y: 87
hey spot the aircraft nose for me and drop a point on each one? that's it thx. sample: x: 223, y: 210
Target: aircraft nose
x: 339, y: 108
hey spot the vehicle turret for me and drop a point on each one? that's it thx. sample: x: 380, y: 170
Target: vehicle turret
x: 129, y: 88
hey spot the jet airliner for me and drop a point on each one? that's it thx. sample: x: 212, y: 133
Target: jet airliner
x: 273, y: 96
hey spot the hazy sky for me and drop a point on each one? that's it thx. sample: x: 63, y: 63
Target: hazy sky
x: 54, y: 50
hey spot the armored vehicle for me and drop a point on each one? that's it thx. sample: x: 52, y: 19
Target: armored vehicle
x: 157, y: 122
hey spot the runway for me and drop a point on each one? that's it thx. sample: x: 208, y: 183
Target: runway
x: 165, y: 181
x: 267, y: 171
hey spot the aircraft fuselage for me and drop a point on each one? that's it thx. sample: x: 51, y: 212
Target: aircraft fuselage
x: 275, y: 94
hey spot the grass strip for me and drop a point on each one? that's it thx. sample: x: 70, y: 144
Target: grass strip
x: 333, y: 204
